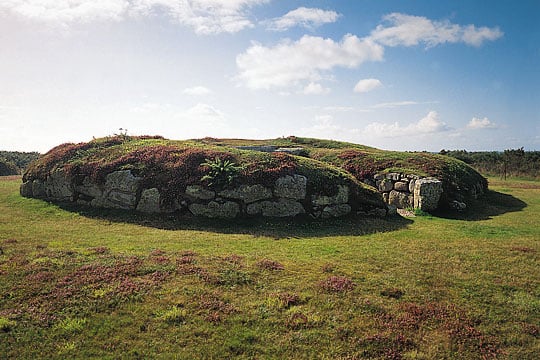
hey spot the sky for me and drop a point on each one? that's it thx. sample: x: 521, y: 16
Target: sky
x: 396, y: 75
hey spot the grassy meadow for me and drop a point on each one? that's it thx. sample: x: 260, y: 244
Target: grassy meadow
x: 82, y: 283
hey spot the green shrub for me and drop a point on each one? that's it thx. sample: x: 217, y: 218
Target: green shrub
x: 222, y: 172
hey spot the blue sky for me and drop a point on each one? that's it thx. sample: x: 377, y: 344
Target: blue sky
x: 399, y: 75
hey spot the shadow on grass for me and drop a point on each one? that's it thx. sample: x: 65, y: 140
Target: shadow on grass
x: 268, y: 227
x: 493, y: 203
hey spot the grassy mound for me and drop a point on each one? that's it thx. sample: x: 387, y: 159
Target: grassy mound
x: 363, y: 162
x: 172, y: 165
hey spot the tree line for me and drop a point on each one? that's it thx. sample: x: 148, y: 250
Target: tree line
x: 511, y: 162
x: 14, y: 162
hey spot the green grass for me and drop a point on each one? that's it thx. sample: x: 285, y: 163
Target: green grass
x: 80, y: 283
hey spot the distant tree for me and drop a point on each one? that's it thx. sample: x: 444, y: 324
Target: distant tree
x: 20, y: 159
x: 8, y: 168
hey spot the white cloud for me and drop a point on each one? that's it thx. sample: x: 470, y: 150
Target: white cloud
x: 289, y: 63
x: 203, y: 16
x: 197, y: 91
x: 484, y: 123
x: 428, y: 125
x: 305, y: 17
x: 315, y: 89
x: 408, y: 30
x: 66, y: 11
x: 367, y: 85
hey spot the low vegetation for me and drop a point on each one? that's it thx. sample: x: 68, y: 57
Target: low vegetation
x: 511, y: 162
x: 110, y: 284
x: 15, y: 162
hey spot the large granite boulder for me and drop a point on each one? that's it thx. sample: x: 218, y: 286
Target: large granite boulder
x: 427, y: 193
x: 58, y: 186
x: 400, y: 200
x: 38, y: 189
x: 88, y: 188
x: 247, y: 193
x: 149, y: 201
x: 120, y: 191
x: 385, y: 185
x: 291, y: 187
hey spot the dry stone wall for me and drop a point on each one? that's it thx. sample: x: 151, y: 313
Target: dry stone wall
x: 401, y: 191
x: 287, y: 197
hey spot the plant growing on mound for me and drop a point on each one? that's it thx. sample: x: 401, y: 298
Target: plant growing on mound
x: 222, y: 172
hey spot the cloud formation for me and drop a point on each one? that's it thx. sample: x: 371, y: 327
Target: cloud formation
x: 306, y: 17
x: 428, y: 125
x: 315, y: 89
x: 408, y: 30
x: 367, y: 85
x: 205, y: 17
x: 477, y: 123
x: 68, y: 11
x: 292, y: 62
x: 202, y: 16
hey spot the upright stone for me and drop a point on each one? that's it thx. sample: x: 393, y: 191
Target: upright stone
x: 120, y: 190
x: 149, y: 201
x: 386, y: 185
x: 400, y: 200
x: 58, y: 186
x: 291, y: 187
x: 427, y: 193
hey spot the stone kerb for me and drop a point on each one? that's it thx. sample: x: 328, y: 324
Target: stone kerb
x: 409, y: 191
x: 287, y: 197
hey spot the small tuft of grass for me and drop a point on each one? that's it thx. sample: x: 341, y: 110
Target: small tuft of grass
x: 336, y: 284
x: 71, y: 325
x: 286, y: 300
x: 328, y: 268
x: 173, y: 315
x: 99, y: 250
x: 6, y: 325
x: 393, y: 293
x: 267, y: 264
x: 234, y: 277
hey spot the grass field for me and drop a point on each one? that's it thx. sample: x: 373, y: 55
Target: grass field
x: 89, y: 284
